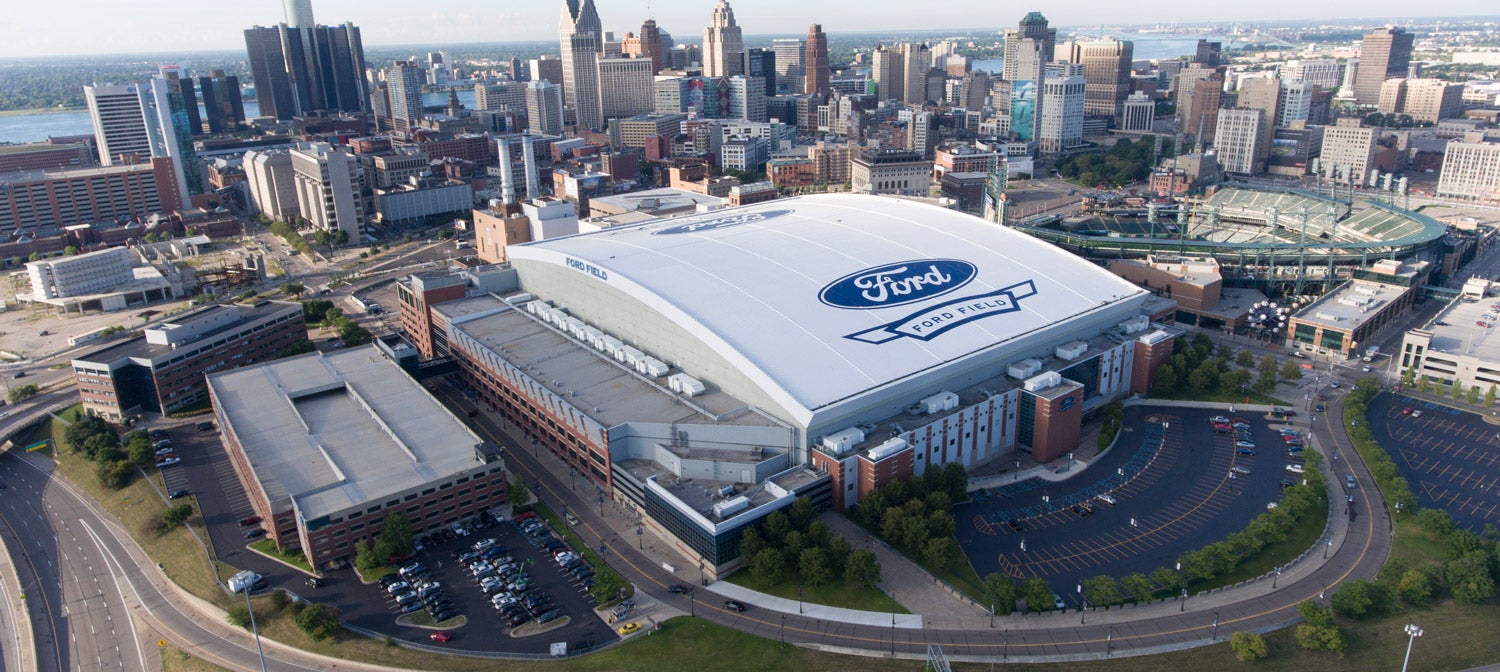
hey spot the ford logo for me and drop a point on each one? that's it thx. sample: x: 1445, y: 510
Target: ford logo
x: 720, y: 222
x: 898, y: 284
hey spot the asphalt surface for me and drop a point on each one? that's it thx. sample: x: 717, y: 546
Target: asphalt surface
x: 1171, y: 478
x: 1451, y: 458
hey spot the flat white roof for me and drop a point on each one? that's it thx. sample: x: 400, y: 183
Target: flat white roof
x: 336, y: 431
x: 820, y: 298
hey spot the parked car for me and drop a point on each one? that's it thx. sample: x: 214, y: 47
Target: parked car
x: 175, y: 494
x: 1349, y: 481
x: 440, y: 637
x: 1295, y: 468
x: 629, y: 628
x: 1246, y: 451
x: 247, y: 522
x: 205, y: 426
x: 315, y: 582
x: 1240, y: 469
x: 1108, y: 499
x: 169, y: 462
x: 254, y: 532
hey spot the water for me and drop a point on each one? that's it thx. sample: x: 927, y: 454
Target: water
x: 1147, y: 47
x: 39, y: 126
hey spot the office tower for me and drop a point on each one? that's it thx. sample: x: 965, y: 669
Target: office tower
x: 1351, y: 70
x: 222, y: 105
x: 747, y: 98
x: 789, y: 53
x: 1208, y: 53
x: 886, y: 71
x: 1392, y: 96
x: 900, y: 72
x: 1064, y: 92
x: 171, y: 132
x: 380, y: 106
x: 916, y: 60
x: 723, y: 46
x: 1383, y: 54
x: 518, y: 70
x: 919, y: 134
x: 307, y: 70
x: 815, y: 61
x: 405, y: 81
x: 976, y: 90
x: 582, y: 40
x: 1348, y: 150
x: 118, y: 113
x: 1138, y: 113
x: 1239, y: 140
x: 544, y: 107
x: 1262, y: 94
x: 625, y: 87
x: 184, y: 87
x: 299, y: 13
x: 1471, y: 169
x: 1028, y: 48
x: 762, y: 63
x: 1433, y: 100
x: 1324, y: 72
x: 327, y: 182
x: 651, y: 45
x: 500, y: 96
x: 547, y: 67
x: 273, y: 191
x: 1198, y: 104
x: 1296, y: 101
x: 1106, y: 69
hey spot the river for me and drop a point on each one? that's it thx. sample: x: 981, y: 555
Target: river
x: 37, y: 127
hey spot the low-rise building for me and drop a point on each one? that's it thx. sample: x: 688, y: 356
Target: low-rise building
x: 891, y: 171
x: 1351, y: 316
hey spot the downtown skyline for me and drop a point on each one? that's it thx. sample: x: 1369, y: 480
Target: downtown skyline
x: 33, y: 30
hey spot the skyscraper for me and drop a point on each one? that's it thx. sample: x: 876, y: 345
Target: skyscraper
x: 625, y: 87
x: 1028, y: 49
x: 118, y: 113
x: 547, y: 67
x: 723, y: 46
x: 1064, y: 92
x: 747, y: 98
x: 581, y: 38
x: 327, y: 182
x: 222, y: 104
x: 299, y: 13
x: 405, y: 81
x: 789, y: 53
x: 1106, y: 69
x: 815, y: 61
x: 900, y: 72
x: 651, y: 44
x: 762, y: 63
x: 171, y: 131
x: 1383, y: 54
x: 544, y: 105
x: 300, y: 68
x: 1239, y: 140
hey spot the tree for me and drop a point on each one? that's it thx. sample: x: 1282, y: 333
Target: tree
x: 1414, y: 587
x: 1168, y: 578
x: 70, y: 251
x: 770, y: 566
x: 316, y: 310
x: 1317, y: 631
x: 1165, y: 378
x: 1436, y: 521
x: 1489, y: 397
x: 319, y: 621
x: 1245, y: 358
x: 177, y: 515
x: 518, y: 494
x: 1424, y: 383
x: 607, y: 585
x: 751, y: 544
x: 1473, y: 396
x: 1000, y: 593
x: 813, y: 566
x: 340, y: 237
x: 352, y: 334
x: 140, y: 452
x: 943, y: 553
x: 445, y: 234
x: 1139, y: 586
x: 396, y: 536
x: 1291, y: 370
x: 1456, y: 390
x: 292, y: 288
x: 1469, y: 578
x: 324, y: 238
x: 776, y: 527
x: 1248, y: 647
x: 365, y: 557
x: 1265, y: 381
x: 1267, y: 363
x: 1101, y: 590
x: 115, y: 474
x: 1037, y: 594
x: 23, y: 392
x: 863, y: 569
x: 34, y: 257
x: 1360, y: 598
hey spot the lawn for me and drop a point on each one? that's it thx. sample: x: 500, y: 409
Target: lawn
x: 174, y: 659
x: 1416, y: 546
x: 838, y: 594
x: 177, y: 551
x: 267, y: 547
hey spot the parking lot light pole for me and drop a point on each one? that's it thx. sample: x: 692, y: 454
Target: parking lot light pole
x: 1084, y: 610
x: 799, y: 600
x: 1412, y: 633
x: 262, y: 653
x: 1276, y: 578
x: 1327, y: 544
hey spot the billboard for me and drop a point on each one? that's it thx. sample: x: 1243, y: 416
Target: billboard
x: 1023, y: 96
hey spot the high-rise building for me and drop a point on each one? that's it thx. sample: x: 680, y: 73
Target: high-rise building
x: 762, y: 63
x: 1433, y: 100
x: 747, y: 98
x: 1106, y: 68
x: 119, y: 116
x: 1383, y: 54
x: 920, y: 134
x: 886, y: 71
x: 31, y: 199
x: 299, y: 13
x: 183, y: 87
x: 815, y: 61
x: 1208, y: 53
x: 789, y: 52
x: 134, y: 123
x: 1138, y: 113
x: 1064, y: 94
x: 1348, y: 149
x: 302, y: 70
x: 544, y: 107
x: 1263, y: 94
x: 1028, y: 49
x: 500, y: 96
x: 900, y: 72
x: 222, y: 105
x: 327, y: 182
x: 1296, y: 101
x: 547, y: 67
x: 273, y: 189
x: 1471, y: 170
x: 405, y: 81
x: 1324, y: 72
x: 651, y: 45
x: 1199, y: 107
x: 625, y: 87
x: 581, y: 37
x: 1239, y: 140
x: 723, y: 46
x: 171, y: 128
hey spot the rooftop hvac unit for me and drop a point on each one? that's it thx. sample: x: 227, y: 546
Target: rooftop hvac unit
x: 730, y: 507
x: 1354, y: 301
x: 1071, y: 351
x: 630, y: 356
x: 1366, y: 289
x: 937, y: 403
x: 1135, y: 324
x: 1024, y: 369
x: 611, y: 345
x: 652, y: 366
x: 887, y: 449
x: 841, y: 441
x: 518, y: 299
x: 1043, y: 381
x: 1155, y: 337
x: 685, y: 385
x: 1327, y: 316
x: 726, y: 491
x: 536, y: 307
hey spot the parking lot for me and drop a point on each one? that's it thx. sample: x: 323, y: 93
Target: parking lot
x: 1450, y: 457
x: 1176, y: 484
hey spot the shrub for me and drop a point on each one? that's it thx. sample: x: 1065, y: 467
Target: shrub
x: 319, y: 621
x: 1248, y: 647
x: 238, y: 616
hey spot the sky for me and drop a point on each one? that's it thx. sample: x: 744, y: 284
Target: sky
x: 76, y: 27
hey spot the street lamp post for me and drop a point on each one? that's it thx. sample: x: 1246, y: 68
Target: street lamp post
x: 1216, y: 626
x: 1084, y: 610
x: 1412, y: 633
x: 1276, y: 578
x: 799, y: 598
x: 572, y: 479
x: 640, y: 537
x: 601, y: 505
x: 1327, y: 544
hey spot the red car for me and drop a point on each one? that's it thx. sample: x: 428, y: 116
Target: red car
x: 1406, y: 411
x: 440, y: 637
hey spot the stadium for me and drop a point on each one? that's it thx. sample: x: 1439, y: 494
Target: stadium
x: 1278, y: 241
x: 709, y: 369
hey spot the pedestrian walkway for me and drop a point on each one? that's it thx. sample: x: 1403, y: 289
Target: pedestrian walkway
x: 905, y: 581
x: 819, y: 611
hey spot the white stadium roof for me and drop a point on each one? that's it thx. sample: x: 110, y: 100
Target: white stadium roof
x: 821, y: 298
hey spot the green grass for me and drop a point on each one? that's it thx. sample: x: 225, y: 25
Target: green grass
x: 174, y: 659
x: 267, y: 547
x: 1415, y: 546
x: 838, y: 594
x: 136, y: 506
x: 1301, y: 537
x: 373, y: 575
x: 422, y: 619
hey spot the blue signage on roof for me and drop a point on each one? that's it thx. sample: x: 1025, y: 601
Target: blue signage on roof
x: 721, y: 222
x: 1067, y: 403
x: 914, y: 281
x: 898, y: 284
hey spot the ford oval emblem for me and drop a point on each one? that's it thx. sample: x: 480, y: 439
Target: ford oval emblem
x: 720, y: 222
x: 898, y: 284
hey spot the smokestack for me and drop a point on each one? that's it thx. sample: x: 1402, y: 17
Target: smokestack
x: 533, y: 190
x: 507, y: 180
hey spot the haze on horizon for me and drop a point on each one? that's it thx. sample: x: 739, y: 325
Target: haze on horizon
x: 156, y: 26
